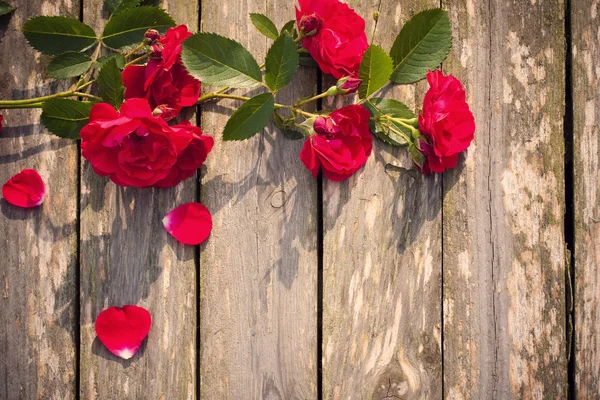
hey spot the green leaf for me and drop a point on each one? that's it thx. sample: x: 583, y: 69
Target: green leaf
x: 127, y: 29
x: 380, y: 106
x: 281, y: 63
x: 423, y: 43
x: 118, y: 57
x: 6, y: 8
x: 375, y: 70
x: 57, y: 35
x: 64, y: 117
x: 110, y: 84
x: 69, y: 65
x: 218, y: 61
x: 250, y: 118
x: 117, y: 6
x: 264, y: 25
x: 290, y: 27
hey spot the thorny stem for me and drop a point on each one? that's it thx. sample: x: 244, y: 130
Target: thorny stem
x: 132, y: 52
x: 300, y: 103
x: 140, y: 58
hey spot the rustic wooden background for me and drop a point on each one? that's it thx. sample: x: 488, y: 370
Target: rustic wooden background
x: 483, y: 283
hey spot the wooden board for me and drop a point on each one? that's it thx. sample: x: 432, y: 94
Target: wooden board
x: 586, y: 107
x: 382, y: 260
x: 127, y: 257
x: 504, y: 258
x: 259, y: 267
x: 39, y: 245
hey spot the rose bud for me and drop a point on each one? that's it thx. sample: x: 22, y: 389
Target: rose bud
x: 309, y: 25
x: 348, y: 85
x: 151, y: 36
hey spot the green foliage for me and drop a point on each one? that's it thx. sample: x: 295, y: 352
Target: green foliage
x: 250, y: 118
x: 264, y: 25
x: 6, y: 8
x: 281, y: 63
x: 290, y: 28
x: 218, y: 61
x: 127, y: 29
x: 69, y: 65
x: 110, y: 84
x: 375, y: 70
x: 58, y: 35
x: 393, y: 108
x: 64, y: 117
x: 118, y: 57
x: 423, y: 43
x: 118, y: 6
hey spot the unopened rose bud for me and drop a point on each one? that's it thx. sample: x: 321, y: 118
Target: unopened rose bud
x: 151, y: 36
x: 157, y: 50
x: 309, y: 25
x: 348, y: 84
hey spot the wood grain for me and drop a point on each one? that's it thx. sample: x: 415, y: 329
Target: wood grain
x: 382, y: 260
x: 127, y: 257
x: 259, y: 268
x: 38, y: 246
x: 586, y: 107
x: 504, y: 257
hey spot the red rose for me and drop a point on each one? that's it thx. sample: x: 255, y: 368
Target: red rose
x: 446, y: 121
x: 164, y: 82
x: 341, y: 145
x: 1, y: 119
x: 135, y: 148
x: 337, y: 38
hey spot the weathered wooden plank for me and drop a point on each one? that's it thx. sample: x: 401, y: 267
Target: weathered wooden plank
x: 38, y: 246
x: 586, y: 120
x: 128, y: 258
x: 382, y: 260
x: 504, y: 258
x: 259, y: 268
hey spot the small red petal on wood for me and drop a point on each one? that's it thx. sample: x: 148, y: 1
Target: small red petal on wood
x: 122, y: 329
x: 189, y: 223
x: 26, y: 189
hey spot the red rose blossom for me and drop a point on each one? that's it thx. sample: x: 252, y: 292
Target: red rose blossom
x: 338, y: 40
x: 135, y: 148
x: 342, y: 143
x: 1, y: 119
x: 164, y: 82
x: 446, y: 121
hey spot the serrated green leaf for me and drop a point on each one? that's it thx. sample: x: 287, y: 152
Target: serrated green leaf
x: 218, y: 61
x: 110, y: 84
x: 6, y: 8
x: 127, y: 29
x: 250, y: 118
x: 57, y: 35
x: 380, y: 106
x: 423, y: 43
x: 375, y: 70
x: 118, y: 57
x: 69, y: 65
x: 281, y: 63
x: 117, y: 6
x: 64, y: 117
x: 264, y: 25
x: 290, y: 27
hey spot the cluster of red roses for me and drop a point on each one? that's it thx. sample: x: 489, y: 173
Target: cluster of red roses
x: 335, y: 37
x: 136, y: 146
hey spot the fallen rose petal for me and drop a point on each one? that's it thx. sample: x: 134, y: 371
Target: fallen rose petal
x: 26, y: 189
x: 122, y: 329
x: 189, y: 223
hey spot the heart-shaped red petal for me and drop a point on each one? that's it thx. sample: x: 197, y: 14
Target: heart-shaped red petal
x: 190, y: 223
x: 122, y: 329
x: 26, y: 189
